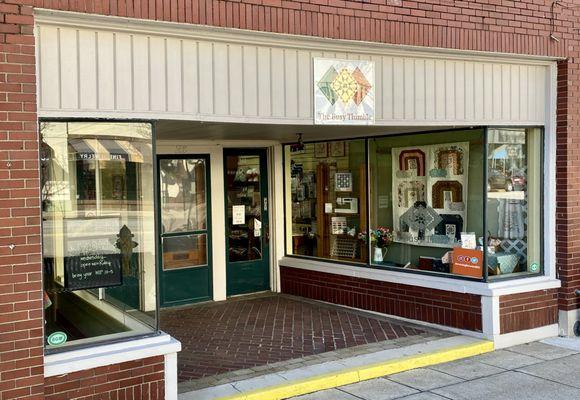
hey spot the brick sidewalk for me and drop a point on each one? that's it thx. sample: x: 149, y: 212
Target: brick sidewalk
x: 252, y: 331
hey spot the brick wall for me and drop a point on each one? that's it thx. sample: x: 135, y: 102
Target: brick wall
x: 457, y: 310
x: 530, y: 310
x: 21, y: 322
x: 134, y: 380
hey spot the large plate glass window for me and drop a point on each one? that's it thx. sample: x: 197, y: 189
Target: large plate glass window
x: 514, y: 202
x: 98, y: 231
x: 426, y: 193
x: 326, y: 199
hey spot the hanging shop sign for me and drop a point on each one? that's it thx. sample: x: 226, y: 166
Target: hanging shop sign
x: 344, y: 92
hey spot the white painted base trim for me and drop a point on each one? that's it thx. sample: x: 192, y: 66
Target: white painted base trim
x: 521, y: 337
x: 171, y: 376
x: 434, y: 282
x: 109, y: 354
x: 566, y: 321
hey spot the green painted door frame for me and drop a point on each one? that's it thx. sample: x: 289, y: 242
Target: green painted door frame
x: 251, y: 273
x: 187, y: 285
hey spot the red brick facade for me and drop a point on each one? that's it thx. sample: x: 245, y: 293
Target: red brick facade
x: 458, y: 310
x: 518, y: 312
x: 521, y: 26
x: 134, y: 380
x: 21, y: 321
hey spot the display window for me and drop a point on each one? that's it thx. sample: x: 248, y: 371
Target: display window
x: 98, y: 231
x: 462, y: 203
x: 514, y: 202
x: 326, y: 187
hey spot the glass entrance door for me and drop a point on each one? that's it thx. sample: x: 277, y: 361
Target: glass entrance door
x: 185, y: 238
x: 248, y: 262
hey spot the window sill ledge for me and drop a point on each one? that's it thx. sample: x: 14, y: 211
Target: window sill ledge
x: 109, y: 354
x: 488, y: 289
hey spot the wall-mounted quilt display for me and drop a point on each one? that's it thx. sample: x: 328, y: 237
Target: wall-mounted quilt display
x: 442, y: 190
x: 412, y: 160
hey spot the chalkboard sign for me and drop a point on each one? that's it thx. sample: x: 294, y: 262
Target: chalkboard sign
x: 90, y: 271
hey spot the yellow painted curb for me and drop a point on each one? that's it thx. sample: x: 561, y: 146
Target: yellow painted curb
x: 363, y: 373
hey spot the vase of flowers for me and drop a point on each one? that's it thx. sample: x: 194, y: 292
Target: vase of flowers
x: 381, y: 238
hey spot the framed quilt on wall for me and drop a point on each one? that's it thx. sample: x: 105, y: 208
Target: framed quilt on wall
x: 434, y: 176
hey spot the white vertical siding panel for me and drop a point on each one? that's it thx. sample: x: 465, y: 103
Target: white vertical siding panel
x: 540, y: 80
x: 278, y: 82
x: 378, y: 86
x: 250, y: 80
x: 524, y: 93
x: 190, y: 84
x: 87, y: 70
x: 398, y: 88
x: 49, y: 68
x: 514, y: 93
x: 479, y: 83
x: 460, y: 91
x: 409, y: 88
x: 440, y: 100
x: 532, y: 93
x: 106, y: 70
x: 488, y: 97
x: 174, y: 75
x: 141, y: 73
x: 264, y: 83
x: 430, y: 97
x: 236, y: 80
x: 497, y: 92
x: 158, y: 78
x: 305, y: 85
x: 205, y: 66
x: 69, y: 88
x: 291, y: 83
x: 387, y: 90
x: 469, y: 92
x: 505, y: 92
x: 419, y: 106
x: 221, y: 79
x: 450, y: 101
x: 123, y: 72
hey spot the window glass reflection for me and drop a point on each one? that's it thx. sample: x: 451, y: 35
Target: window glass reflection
x: 98, y: 231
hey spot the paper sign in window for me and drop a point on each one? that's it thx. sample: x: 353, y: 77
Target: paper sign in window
x: 238, y: 215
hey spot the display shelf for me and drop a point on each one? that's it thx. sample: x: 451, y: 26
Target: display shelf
x: 428, y: 244
x: 515, y: 195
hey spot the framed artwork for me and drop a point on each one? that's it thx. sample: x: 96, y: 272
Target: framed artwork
x: 336, y: 149
x: 320, y: 150
x: 343, y: 182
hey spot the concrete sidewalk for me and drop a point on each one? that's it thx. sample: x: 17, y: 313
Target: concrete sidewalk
x: 541, y: 370
x: 343, y: 371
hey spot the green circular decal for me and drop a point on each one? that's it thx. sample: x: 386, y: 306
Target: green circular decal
x: 57, y: 338
x: 534, y: 267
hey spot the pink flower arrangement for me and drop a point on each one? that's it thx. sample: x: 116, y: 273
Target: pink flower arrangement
x: 381, y: 237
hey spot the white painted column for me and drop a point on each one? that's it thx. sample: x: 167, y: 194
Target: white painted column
x: 277, y: 215
x: 218, y: 223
